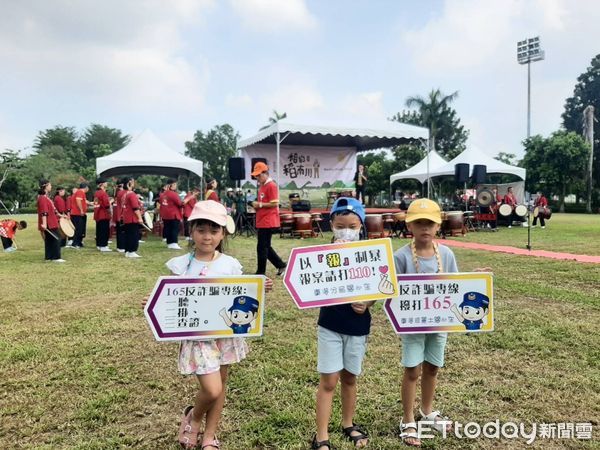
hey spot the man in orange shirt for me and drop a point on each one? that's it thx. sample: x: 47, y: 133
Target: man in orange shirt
x: 267, y: 219
x: 79, y: 204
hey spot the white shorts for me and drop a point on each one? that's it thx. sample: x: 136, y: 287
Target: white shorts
x: 338, y: 351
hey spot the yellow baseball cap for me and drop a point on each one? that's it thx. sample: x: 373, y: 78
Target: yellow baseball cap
x: 424, y: 208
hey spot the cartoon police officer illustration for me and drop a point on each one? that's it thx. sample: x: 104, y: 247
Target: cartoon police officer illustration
x: 472, y: 310
x: 241, y: 314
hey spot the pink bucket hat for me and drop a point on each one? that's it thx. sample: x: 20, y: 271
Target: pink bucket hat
x: 209, y: 210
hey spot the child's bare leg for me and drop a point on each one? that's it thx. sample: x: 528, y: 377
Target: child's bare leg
x: 409, y: 395
x: 211, y: 388
x: 325, y: 393
x: 348, y: 393
x: 213, y: 415
x: 428, y: 384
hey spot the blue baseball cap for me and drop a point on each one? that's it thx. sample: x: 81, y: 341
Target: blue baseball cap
x: 475, y: 300
x: 348, y: 204
x: 245, y: 304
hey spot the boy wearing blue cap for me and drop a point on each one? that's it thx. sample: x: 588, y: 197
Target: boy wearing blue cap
x: 472, y: 310
x: 422, y: 354
x: 241, y: 314
x: 342, y: 339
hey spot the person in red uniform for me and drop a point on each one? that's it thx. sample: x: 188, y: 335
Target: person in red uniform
x: 60, y: 204
x: 48, y: 223
x: 79, y: 205
x: 102, y: 215
x: 267, y: 219
x: 540, y: 202
x: 116, y: 216
x: 170, y: 211
x: 211, y: 191
x: 511, y: 200
x: 131, y: 218
x: 8, y: 229
x: 188, y: 205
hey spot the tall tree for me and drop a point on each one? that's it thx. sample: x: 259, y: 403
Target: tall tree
x: 100, y: 140
x: 586, y: 93
x: 276, y: 117
x: 555, y: 164
x: 507, y: 158
x: 446, y: 134
x: 214, y: 149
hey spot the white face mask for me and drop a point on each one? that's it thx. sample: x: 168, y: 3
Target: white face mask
x: 346, y: 234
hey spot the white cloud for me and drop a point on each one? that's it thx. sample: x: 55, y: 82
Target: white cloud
x: 274, y: 15
x: 293, y: 98
x: 368, y: 105
x: 238, y: 101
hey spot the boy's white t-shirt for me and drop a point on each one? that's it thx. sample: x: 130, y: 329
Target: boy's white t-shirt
x: 189, y: 266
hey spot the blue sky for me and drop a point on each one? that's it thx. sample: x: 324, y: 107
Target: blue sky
x: 182, y: 65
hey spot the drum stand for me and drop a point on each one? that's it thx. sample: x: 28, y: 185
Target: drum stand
x: 244, y: 224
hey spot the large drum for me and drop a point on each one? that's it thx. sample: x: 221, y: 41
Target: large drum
x: 67, y: 229
x: 303, y: 225
x: 452, y: 222
x: 374, y: 224
x: 505, y: 210
x: 521, y: 210
x: 542, y: 211
x: 400, y: 217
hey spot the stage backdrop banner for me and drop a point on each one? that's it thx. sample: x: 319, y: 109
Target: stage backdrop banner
x: 306, y: 166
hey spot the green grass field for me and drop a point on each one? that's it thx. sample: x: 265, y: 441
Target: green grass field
x: 79, y: 367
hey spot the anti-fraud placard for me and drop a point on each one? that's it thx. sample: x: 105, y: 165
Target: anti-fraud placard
x: 207, y: 307
x: 446, y: 302
x: 333, y: 274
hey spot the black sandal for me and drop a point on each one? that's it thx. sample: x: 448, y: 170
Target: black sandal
x: 359, y: 437
x: 316, y: 445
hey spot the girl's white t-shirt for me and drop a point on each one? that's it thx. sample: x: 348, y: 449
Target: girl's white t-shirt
x: 189, y: 266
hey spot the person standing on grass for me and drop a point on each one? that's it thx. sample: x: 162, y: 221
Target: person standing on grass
x: 540, y: 202
x: 79, y: 206
x: 170, y: 211
x: 208, y: 359
x: 117, y: 215
x: 102, y: 216
x: 422, y: 354
x: 267, y: 219
x: 132, y: 219
x: 48, y: 223
x: 61, y: 207
x: 342, y: 339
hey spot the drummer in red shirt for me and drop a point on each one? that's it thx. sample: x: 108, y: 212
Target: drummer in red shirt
x: 102, y: 215
x: 540, y: 202
x: 79, y: 204
x: 188, y: 205
x: 211, y: 191
x: 8, y: 229
x: 267, y: 219
x: 60, y: 204
x: 511, y: 200
x: 170, y: 211
x: 131, y: 217
x: 48, y: 223
x: 116, y: 215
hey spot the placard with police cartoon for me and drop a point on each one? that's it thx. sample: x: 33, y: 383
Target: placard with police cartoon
x: 448, y: 302
x: 207, y: 307
x: 333, y: 274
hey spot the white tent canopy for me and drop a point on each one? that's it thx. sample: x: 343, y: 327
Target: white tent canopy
x: 147, y: 154
x: 474, y: 156
x: 419, y: 170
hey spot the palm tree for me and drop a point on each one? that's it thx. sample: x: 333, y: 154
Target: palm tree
x: 431, y: 109
x: 274, y: 119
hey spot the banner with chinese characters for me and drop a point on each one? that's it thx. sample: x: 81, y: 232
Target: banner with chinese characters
x: 447, y: 302
x: 306, y: 166
x: 206, y: 308
x: 323, y: 275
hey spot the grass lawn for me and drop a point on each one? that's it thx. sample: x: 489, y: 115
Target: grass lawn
x: 79, y: 367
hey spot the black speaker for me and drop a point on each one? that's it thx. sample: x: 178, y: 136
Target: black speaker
x: 479, y: 173
x: 255, y: 160
x: 237, y: 171
x: 461, y: 173
x: 301, y: 206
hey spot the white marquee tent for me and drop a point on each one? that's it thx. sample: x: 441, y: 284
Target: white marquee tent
x: 147, y: 154
x: 419, y: 170
x: 473, y: 156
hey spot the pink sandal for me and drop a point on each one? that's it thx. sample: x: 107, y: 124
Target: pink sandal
x: 188, y: 436
x: 214, y: 443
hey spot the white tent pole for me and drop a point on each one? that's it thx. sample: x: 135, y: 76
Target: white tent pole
x: 277, y: 160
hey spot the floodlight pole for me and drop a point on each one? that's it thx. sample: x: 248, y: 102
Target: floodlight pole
x: 528, y: 51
